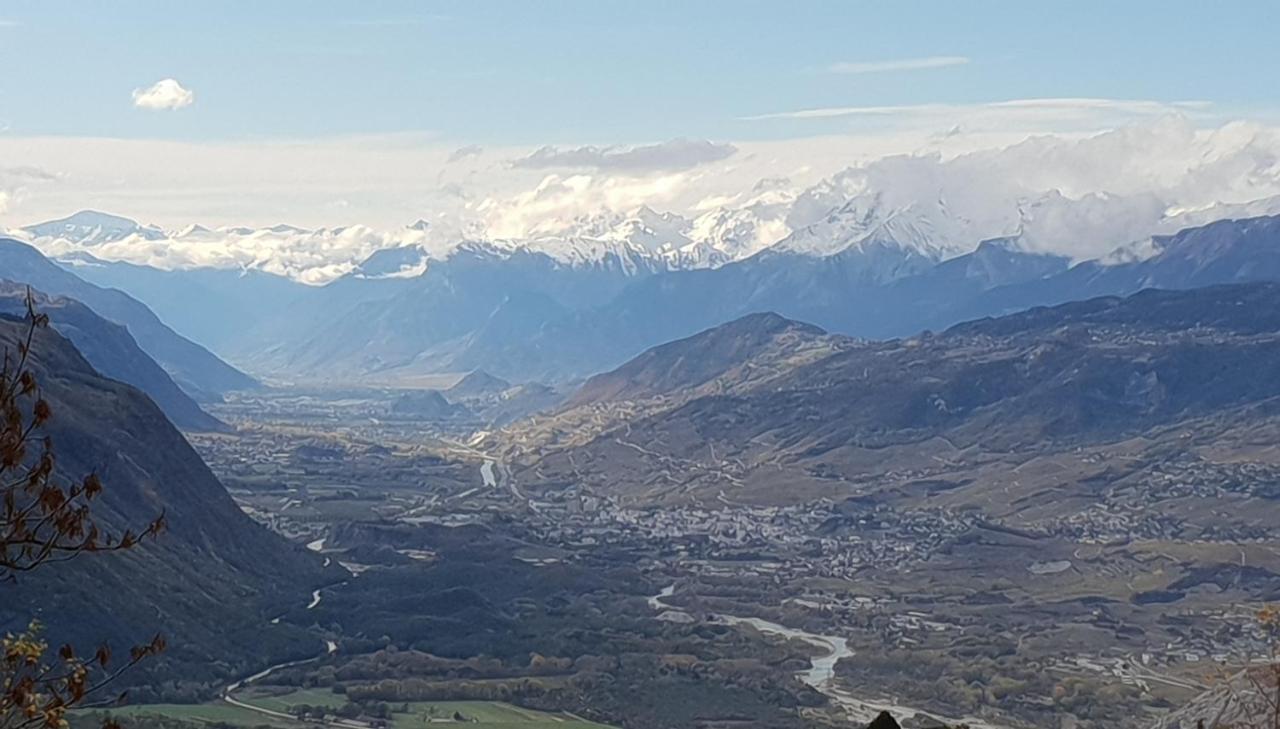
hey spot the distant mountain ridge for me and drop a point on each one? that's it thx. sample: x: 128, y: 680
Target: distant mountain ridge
x: 197, y: 370
x: 210, y: 306
x: 109, y: 348
x: 865, y: 269
x: 92, y: 228
x: 694, y: 361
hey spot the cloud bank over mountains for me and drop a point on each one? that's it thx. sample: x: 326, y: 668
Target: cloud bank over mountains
x: 696, y: 201
x: 677, y: 154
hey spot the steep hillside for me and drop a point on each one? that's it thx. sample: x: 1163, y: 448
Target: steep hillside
x: 210, y: 583
x: 193, y: 367
x: 1043, y: 381
x: 111, y: 351
x: 745, y: 355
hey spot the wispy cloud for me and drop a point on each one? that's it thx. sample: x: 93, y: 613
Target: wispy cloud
x: 165, y: 94
x: 1023, y: 107
x: 676, y: 154
x: 4, y: 23
x: 900, y: 64
x: 27, y: 173
x: 461, y: 153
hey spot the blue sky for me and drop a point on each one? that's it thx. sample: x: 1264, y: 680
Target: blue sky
x: 604, y: 72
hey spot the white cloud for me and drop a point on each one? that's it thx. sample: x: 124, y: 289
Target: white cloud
x: 163, y: 94
x: 461, y: 153
x: 556, y: 203
x: 1048, y: 111
x: 17, y: 180
x: 901, y: 64
x: 676, y: 154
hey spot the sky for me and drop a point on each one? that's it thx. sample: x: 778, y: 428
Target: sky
x: 323, y: 113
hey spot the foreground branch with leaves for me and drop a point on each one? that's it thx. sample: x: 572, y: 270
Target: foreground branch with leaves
x: 1255, y: 690
x: 44, y: 520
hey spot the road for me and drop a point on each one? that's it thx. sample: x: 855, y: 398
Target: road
x: 330, y: 648
x: 227, y: 693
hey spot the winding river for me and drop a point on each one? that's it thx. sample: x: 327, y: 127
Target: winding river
x: 822, y: 668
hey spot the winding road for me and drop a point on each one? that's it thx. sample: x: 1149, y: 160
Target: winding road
x: 330, y: 647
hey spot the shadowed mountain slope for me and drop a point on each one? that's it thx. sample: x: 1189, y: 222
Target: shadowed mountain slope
x: 193, y: 367
x: 211, y: 582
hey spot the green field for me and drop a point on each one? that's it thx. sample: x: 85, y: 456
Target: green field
x: 421, y: 715
x: 485, y: 713
x: 285, y: 702
x: 200, y: 714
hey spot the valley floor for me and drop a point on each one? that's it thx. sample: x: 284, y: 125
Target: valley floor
x: 453, y: 553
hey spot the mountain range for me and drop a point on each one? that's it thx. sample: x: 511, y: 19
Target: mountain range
x: 767, y: 409
x: 194, y: 368
x: 560, y: 310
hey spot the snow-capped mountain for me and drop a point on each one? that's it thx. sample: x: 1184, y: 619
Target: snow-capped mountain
x: 91, y: 228
x: 925, y: 228
x: 1075, y: 196
x: 400, y: 262
x: 921, y: 207
x: 561, y: 306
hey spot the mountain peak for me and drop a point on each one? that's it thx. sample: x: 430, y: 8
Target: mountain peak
x: 692, y: 361
x: 286, y: 228
x: 767, y: 322
x: 478, y: 383
x: 93, y: 227
x: 96, y: 218
x: 193, y: 229
x: 403, y: 262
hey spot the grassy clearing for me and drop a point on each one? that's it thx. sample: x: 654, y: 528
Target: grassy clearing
x: 285, y: 702
x: 212, y: 713
x: 425, y: 715
x: 421, y: 715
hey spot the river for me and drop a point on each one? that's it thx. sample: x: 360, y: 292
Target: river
x: 821, y: 674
